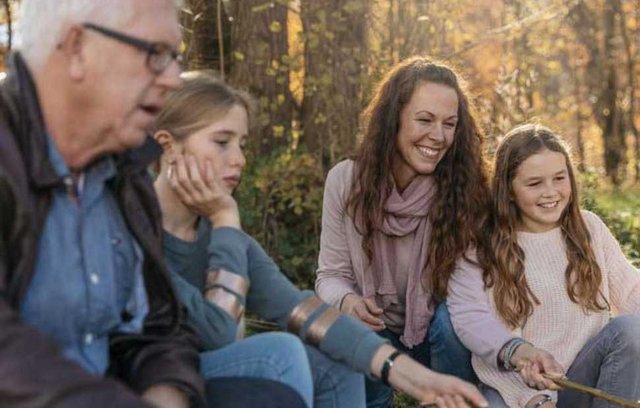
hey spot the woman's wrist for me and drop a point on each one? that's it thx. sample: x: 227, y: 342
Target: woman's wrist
x: 379, y: 357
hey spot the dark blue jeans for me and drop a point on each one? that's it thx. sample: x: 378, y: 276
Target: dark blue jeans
x: 609, y: 361
x: 441, y: 351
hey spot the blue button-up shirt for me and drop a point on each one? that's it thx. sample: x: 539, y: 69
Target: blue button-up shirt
x: 88, y: 279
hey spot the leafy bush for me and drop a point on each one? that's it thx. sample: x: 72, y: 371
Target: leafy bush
x: 620, y: 211
x: 281, y: 206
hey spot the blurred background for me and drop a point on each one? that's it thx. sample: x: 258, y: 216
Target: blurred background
x: 312, y: 64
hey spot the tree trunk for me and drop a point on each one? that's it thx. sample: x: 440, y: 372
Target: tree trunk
x: 631, y: 68
x: 261, y: 64
x: 602, y: 80
x: 335, y: 55
x: 200, y: 22
x: 579, y: 126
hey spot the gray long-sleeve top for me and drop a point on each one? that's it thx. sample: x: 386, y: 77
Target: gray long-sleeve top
x: 271, y: 295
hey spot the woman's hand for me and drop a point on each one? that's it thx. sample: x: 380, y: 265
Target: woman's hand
x: 428, y: 387
x: 202, y: 194
x: 532, y: 362
x: 364, y: 310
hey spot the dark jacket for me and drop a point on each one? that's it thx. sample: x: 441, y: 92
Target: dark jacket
x: 33, y: 372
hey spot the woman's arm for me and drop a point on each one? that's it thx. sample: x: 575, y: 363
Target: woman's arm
x: 335, y: 278
x: 474, y: 322
x: 342, y: 338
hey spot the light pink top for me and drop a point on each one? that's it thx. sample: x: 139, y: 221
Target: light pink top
x: 557, y: 325
x: 343, y: 268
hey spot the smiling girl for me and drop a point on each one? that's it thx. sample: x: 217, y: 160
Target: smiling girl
x: 552, y: 275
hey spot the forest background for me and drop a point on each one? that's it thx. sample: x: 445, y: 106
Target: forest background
x: 312, y: 64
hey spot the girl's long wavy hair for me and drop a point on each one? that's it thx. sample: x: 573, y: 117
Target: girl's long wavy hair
x: 503, y: 259
x: 462, y: 194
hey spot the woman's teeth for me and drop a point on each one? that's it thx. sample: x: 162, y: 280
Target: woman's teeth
x: 427, y: 152
x: 549, y: 205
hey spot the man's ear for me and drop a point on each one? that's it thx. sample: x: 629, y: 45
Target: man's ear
x: 166, y: 140
x: 71, y: 46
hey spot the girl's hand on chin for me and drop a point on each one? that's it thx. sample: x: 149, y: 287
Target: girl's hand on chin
x: 202, y: 195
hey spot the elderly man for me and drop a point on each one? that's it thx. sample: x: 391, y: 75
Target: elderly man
x: 88, y: 317
x: 84, y: 290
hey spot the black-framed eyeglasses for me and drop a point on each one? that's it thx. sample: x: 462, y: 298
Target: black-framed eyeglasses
x: 159, y: 54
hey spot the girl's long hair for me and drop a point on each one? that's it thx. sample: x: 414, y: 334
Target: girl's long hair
x: 462, y: 187
x: 503, y: 259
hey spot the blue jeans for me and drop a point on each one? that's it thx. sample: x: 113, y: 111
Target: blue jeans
x: 441, y: 351
x: 320, y: 381
x: 335, y: 385
x: 279, y: 357
x: 609, y: 361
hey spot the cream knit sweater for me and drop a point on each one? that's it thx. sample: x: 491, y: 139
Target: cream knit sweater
x: 557, y: 325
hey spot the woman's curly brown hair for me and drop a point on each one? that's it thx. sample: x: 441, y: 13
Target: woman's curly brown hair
x: 503, y: 259
x: 462, y: 197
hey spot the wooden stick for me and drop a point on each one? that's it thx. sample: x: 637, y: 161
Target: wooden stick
x: 594, y: 392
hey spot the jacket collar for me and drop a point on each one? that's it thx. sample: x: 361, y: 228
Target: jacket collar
x: 25, y: 119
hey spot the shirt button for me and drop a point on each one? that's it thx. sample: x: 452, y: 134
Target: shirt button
x: 115, y: 241
x: 88, y: 338
x: 95, y: 279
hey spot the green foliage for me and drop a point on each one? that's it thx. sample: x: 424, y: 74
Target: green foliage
x: 281, y: 206
x: 619, y: 210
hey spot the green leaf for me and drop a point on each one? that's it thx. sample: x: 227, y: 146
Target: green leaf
x: 275, y: 27
x: 238, y: 55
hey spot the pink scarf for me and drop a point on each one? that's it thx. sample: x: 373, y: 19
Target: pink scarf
x: 405, y: 213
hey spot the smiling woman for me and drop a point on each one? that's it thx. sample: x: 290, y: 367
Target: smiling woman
x: 396, y: 217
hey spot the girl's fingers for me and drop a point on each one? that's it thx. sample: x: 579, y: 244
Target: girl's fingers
x: 471, y: 393
x: 194, y: 174
x: 460, y: 402
x: 172, y: 176
x: 181, y: 173
x: 449, y: 401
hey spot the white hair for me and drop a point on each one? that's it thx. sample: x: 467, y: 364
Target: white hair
x: 42, y: 23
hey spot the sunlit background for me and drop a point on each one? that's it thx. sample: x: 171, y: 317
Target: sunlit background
x: 311, y: 64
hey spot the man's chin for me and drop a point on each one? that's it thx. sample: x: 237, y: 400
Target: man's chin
x: 132, y: 139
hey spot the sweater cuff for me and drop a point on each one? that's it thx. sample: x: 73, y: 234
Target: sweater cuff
x: 366, y: 349
x: 352, y: 342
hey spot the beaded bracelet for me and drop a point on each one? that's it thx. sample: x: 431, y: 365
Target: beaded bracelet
x: 510, y: 349
x: 386, y: 367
